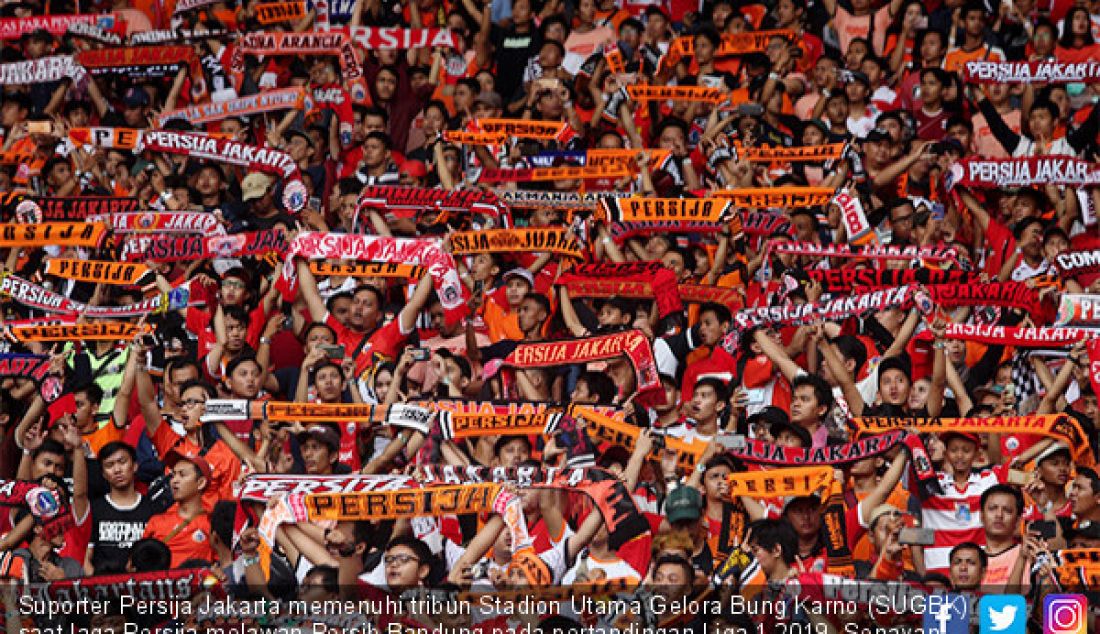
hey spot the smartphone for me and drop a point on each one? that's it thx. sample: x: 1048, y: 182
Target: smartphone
x: 334, y: 352
x: 1017, y: 477
x: 750, y: 110
x: 314, y: 203
x: 710, y: 81
x: 39, y: 127
x: 149, y: 340
x: 938, y: 211
x: 421, y: 354
x: 732, y: 441
x: 1045, y: 529
x: 916, y: 537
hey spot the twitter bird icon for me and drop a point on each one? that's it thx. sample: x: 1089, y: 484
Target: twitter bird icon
x: 1002, y: 614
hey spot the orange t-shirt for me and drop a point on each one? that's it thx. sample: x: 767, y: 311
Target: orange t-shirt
x: 502, y: 324
x: 103, y: 435
x: 224, y: 463
x: 956, y: 59
x: 186, y: 541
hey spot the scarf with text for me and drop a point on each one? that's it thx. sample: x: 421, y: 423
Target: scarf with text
x: 1081, y: 262
x: 1034, y: 72
x: 758, y: 223
x: 701, y: 94
x: 630, y: 343
x: 169, y: 586
x: 70, y: 234
x: 1002, y: 294
x: 367, y: 269
x: 695, y: 210
x: 567, y: 201
x: 869, y: 252
x: 140, y: 61
x: 785, y: 482
x: 733, y: 44
x: 402, y: 503
x: 1019, y: 337
x: 466, y: 137
x: 272, y: 43
x: 70, y: 208
x: 34, y: 296
x: 417, y: 252
x: 847, y: 279
x: 42, y: 70
x: 559, y: 131
x: 169, y: 248
x: 398, y: 415
x: 1079, y: 309
x: 794, y: 154
x: 856, y: 226
x: 263, y: 159
x: 565, y: 173
x: 791, y: 197
x: 35, y: 368
x: 264, y: 487
x: 161, y: 222
x: 15, y: 28
x: 1061, y: 427
x: 702, y: 293
x: 456, y: 426
x: 837, y: 309
x: 636, y: 280
x: 373, y: 38
x: 549, y: 240
x: 606, y: 429
x: 274, y: 12
x: 96, y: 331
x: 165, y: 36
x: 89, y: 31
x: 607, y: 492
x: 980, y: 172
x: 598, y: 157
x: 96, y: 271
x: 426, y: 204
x: 296, y: 98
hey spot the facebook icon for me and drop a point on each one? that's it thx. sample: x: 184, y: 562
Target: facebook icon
x: 947, y: 614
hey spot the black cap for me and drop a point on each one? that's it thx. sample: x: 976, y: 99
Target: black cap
x: 798, y: 430
x: 877, y: 135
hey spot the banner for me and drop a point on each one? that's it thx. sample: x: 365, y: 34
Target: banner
x: 388, y: 270
x: 847, y: 279
x: 610, y: 496
x: 36, y: 368
x: 700, y: 210
x: 1082, y: 262
x: 41, y: 70
x: 272, y: 12
x: 96, y: 271
x: 72, y: 208
x: 1062, y: 427
x: 190, y: 248
x: 296, y: 98
x: 703, y: 94
x: 69, y: 234
x: 262, y: 159
x: 418, y: 252
x: 402, y: 503
x: 161, y: 222
x: 774, y: 197
x: 1007, y: 173
x: 630, y: 343
x: 1037, y: 72
x: 374, y: 38
x: 787, y: 482
x: 513, y: 241
x: 637, y: 280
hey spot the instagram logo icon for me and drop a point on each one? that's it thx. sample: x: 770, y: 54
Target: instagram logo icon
x: 1064, y: 614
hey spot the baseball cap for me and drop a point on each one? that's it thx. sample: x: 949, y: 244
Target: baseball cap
x: 779, y: 427
x: 255, y: 186
x: 1053, y: 450
x: 300, y: 133
x: 881, y: 510
x: 861, y: 77
x: 876, y: 135
x: 205, y: 470
x: 966, y: 435
x: 489, y: 98
x: 324, y: 434
x: 520, y: 273
x: 62, y: 406
x: 136, y: 98
x: 414, y: 168
x: 684, y: 503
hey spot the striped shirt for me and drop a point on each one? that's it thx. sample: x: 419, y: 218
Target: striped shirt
x: 955, y: 515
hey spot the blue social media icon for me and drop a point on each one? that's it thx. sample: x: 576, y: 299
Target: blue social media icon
x: 1002, y: 614
x: 947, y: 614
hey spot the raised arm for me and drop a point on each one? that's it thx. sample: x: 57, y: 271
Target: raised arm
x: 307, y: 289
x: 778, y: 355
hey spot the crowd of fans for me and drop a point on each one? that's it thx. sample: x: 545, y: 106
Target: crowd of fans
x: 152, y: 482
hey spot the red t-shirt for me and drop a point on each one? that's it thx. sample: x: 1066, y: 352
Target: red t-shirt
x: 384, y: 342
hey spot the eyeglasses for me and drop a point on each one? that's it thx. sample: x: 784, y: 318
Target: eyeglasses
x: 399, y: 560
x: 192, y: 402
x: 232, y: 283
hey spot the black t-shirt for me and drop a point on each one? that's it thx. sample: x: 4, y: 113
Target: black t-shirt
x: 513, y: 50
x: 114, y: 531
